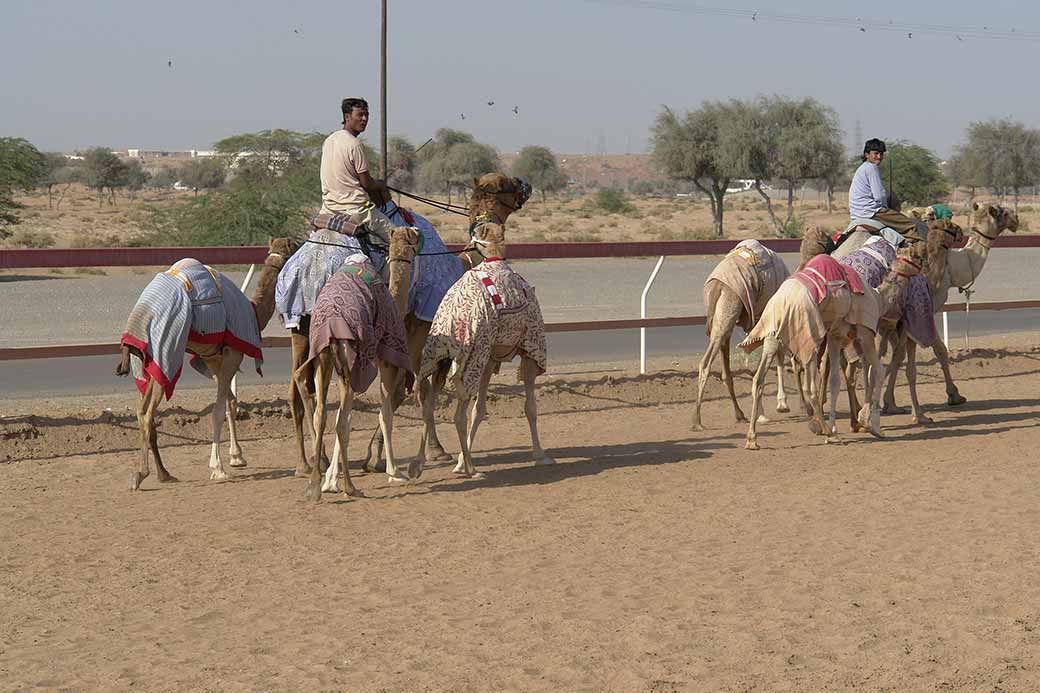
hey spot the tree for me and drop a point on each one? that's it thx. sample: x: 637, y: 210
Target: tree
x: 687, y: 149
x: 402, y: 162
x: 1000, y: 154
x: 912, y: 174
x: 21, y: 165
x: 163, y: 178
x: 454, y: 159
x: 103, y: 169
x: 202, y: 173
x: 49, y: 173
x: 268, y: 152
x: 538, y: 166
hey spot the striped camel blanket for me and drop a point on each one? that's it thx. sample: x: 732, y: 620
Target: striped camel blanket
x: 189, y: 302
x: 356, y: 308
x: 751, y: 271
x: 490, y: 314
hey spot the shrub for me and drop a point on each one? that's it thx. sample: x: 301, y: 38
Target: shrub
x: 30, y: 238
x: 611, y: 201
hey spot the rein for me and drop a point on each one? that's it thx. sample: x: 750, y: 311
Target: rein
x: 384, y: 249
x: 443, y: 206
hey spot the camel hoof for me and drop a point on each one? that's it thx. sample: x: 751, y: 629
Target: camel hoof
x: 391, y: 478
x: 763, y: 419
x: 922, y: 420
x: 331, y: 488
x: 303, y: 472
x: 544, y: 461
x: 697, y: 426
x: 477, y: 476
x: 324, y: 465
x: 135, y: 480
x: 751, y: 445
x: 238, y: 461
x: 376, y: 468
x: 415, y: 470
x: 353, y: 492
x: 955, y: 400
x: 313, y: 492
x: 167, y: 479
x: 218, y: 475
x: 815, y: 427
x: 783, y: 408
x: 437, y: 456
x: 834, y: 440
x: 893, y: 409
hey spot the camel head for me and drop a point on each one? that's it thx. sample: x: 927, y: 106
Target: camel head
x: 909, y: 260
x: 943, y: 234
x: 280, y: 249
x: 815, y: 241
x: 496, y: 196
x: 922, y: 213
x: 990, y: 220
x: 405, y: 244
x: 488, y: 240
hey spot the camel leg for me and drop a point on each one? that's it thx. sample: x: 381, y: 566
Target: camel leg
x: 466, y: 458
x: 727, y: 377
x: 719, y: 341
x: 322, y: 376
x: 388, y: 381
x: 899, y: 351
x: 812, y: 377
x: 428, y: 400
x: 834, y: 354
x: 781, y: 393
x: 339, y: 457
x: 911, y: 378
x: 528, y: 373
x: 298, y: 394
x: 237, y: 459
x: 851, y: 383
x: 953, y: 396
x: 478, y: 412
x: 870, y: 415
x: 149, y: 438
x: 225, y: 366
x: 769, y: 350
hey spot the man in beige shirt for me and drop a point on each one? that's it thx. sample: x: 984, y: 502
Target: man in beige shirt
x: 346, y: 186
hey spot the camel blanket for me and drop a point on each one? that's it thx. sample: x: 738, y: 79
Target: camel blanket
x: 355, y: 307
x: 823, y: 274
x: 432, y: 274
x: 188, y: 302
x: 871, y: 262
x: 793, y: 317
x: 490, y: 314
x: 918, y: 314
x: 754, y: 273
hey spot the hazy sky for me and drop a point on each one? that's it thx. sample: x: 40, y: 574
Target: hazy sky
x: 586, y: 76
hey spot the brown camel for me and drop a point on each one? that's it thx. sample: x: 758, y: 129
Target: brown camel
x: 487, y: 318
x: 820, y: 302
x: 220, y: 360
x: 735, y: 293
x: 495, y: 197
x: 356, y: 302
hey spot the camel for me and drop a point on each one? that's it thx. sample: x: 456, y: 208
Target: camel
x: 495, y: 197
x: 487, y: 318
x: 356, y: 330
x: 961, y: 268
x: 192, y: 308
x: 735, y: 293
x: 821, y: 301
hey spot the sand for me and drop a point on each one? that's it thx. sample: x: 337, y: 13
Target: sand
x: 650, y: 558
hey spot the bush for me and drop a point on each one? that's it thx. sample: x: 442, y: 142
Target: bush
x: 30, y: 238
x: 611, y: 201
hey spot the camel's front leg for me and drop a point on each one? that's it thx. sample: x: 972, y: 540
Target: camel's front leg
x: 388, y: 381
x: 528, y: 373
x: 813, y: 378
x: 237, y: 459
x: 953, y: 396
x: 225, y: 370
x: 322, y: 377
x: 851, y: 382
x: 781, y: 392
x: 834, y: 354
x: 911, y: 378
x: 899, y: 350
x: 478, y: 412
x: 769, y: 350
x: 874, y: 379
x: 461, y: 428
x: 299, y: 396
x: 339, y: 457
x: 149, y: 438
x: 428, y: 401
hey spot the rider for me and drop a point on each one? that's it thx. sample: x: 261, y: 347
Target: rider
x: 868, y: 198
x: 346, y: 186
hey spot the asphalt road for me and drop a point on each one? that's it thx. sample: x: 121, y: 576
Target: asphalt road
x: 68, y: 309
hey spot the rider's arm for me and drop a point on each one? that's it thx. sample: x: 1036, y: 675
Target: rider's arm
x: 877, y: 188
x: 375, y: 188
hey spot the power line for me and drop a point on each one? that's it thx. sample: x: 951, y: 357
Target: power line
x: 910, y: 29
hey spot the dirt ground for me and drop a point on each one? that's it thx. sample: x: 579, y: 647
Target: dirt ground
x: 650, y: 558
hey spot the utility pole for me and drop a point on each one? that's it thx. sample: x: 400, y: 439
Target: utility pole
x: 382, y: 96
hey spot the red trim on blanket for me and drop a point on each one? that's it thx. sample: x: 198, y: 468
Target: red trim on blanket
x: 407, y: 215
x: 226, y: 338
x: 151, y: 367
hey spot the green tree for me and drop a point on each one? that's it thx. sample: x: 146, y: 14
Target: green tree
x: 268, y: 152
x: 1001, y: 154
x: 912, y: 174
x: 164, y: 178
x: 48, y: 174
x: 538, y: 166
x: 202, y: 173
x: 21, y: 165
x: 402, y: 161
x: 454, y: 159
x: 102, y: 169
x: 687, y: 149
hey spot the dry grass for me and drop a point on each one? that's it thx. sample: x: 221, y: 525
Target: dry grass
x: 80, y: 222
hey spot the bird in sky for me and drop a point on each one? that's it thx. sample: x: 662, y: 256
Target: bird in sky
x: 516, y: 109
x: 959, y: 37
x: 491, y: 103
x: 909, y: 34
x: 754, y: 17
x: 295, y: 31
x: 462, y: 115
x: 169, y: 63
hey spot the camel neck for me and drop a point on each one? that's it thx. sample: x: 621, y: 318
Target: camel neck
x: 399, y: 283
x: 966, y: 263
x: 263, y: 295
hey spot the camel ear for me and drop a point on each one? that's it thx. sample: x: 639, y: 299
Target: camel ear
x: 975, y: 206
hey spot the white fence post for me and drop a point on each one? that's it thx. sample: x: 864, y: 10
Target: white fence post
x: 245, y: 285
x: 642, y: 314
x: 946, y: 328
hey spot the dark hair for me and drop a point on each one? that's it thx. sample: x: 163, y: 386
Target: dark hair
x: 350, y: 104
x: 874, y: 145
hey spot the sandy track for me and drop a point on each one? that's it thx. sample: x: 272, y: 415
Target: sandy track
x: 649, y: 559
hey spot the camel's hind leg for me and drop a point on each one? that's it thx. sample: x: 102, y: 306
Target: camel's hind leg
x: 237, y: 458
x: 900, y: 345
x: 224, y: 366
x: 149, y: 438
x: 770, y: 347
x: 477, y: 414
x: 781, y: 393
x: 428, y: 401
x: 870, y: 415
x: 389, y: 376
x: 953, y: 396
x: 465, y: 458
x: 834, y: 358
x: 298, y: 395
x: 339, y: 457
x: 528, y: 373
x: 322, y: 376
x: 911, y: 378
x: 727, y: 312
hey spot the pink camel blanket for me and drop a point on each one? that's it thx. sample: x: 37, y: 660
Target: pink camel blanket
x: 356, y: 308
x: 754, y: 273
x: 189, y: 302
x: 490, y: 313
x: 823, y: 273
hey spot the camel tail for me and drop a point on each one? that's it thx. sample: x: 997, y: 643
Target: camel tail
x: 123, y: 369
